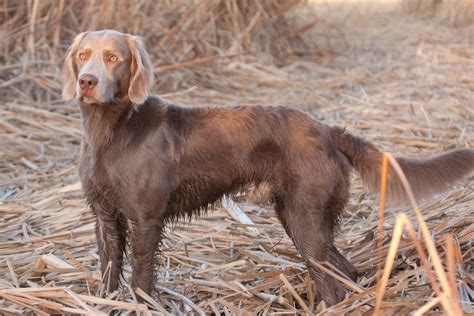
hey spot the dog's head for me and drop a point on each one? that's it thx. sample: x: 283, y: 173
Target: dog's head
x: 107, y: 66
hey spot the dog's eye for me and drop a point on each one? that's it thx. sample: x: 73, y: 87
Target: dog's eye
x: 113, y: 58
x: 82, y: 56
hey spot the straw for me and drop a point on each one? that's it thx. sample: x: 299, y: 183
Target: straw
x: 402, y: 82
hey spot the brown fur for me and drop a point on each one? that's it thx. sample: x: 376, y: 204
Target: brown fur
x: 145, y: 162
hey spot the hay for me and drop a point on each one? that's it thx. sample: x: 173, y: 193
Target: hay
x: 411, y: 93
x: 456, y: 13
x: 181, y: 35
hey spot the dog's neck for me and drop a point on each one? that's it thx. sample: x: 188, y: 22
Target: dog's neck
x: 99, y: 122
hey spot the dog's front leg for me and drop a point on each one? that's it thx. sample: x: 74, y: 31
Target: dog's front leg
x: 111, y: 241
x: 145, y: 240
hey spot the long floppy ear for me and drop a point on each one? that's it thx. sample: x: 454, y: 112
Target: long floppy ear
x: 141, y: 71
x: 70, y: 68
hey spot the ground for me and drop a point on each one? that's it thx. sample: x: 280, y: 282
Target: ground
x: 404, y: 83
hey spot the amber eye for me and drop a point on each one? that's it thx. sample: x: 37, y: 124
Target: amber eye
x: 82, y: 56
x: 113, y: 58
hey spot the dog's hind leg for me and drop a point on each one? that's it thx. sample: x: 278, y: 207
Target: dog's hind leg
x: 309, y: 217
x: 342, y: 264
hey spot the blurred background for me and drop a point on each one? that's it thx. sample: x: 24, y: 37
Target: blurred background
x: 397, y: 72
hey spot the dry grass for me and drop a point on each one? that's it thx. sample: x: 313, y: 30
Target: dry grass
x: 451, y: 12
x: 406, y: 86
x: 182, y: 35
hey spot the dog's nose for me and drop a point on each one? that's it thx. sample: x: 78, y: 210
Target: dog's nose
x: 87, y: 81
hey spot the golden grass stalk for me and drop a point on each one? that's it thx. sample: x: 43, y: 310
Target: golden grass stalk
x: 294, y: 293
x: 447, y: 296
x: 383, y: 194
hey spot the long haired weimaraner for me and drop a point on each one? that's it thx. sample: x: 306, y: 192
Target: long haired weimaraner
x: 145, y: 162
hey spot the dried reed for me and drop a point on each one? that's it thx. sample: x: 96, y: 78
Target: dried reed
x: 411, y: 93
x: 452, y: 12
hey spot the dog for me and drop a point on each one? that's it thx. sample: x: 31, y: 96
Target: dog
x: 145, y: 162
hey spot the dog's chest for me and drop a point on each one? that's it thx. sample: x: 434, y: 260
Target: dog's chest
x: 99, y: 183
x: 131, y: 181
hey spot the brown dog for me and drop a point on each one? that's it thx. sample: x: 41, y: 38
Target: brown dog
x: 145, y: 162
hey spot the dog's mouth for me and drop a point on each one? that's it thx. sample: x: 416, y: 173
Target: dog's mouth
x: 89, y: 96
x: 91, y: 100
x: 85, y: 98
x: 92, y: 96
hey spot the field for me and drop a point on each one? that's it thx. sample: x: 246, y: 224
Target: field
x: 403, y: 81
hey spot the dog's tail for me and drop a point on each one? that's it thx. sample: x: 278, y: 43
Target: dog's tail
x: 426, y: 176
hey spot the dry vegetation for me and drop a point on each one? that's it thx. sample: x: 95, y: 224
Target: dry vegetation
x: 450, y: 12
x: 403, y: 82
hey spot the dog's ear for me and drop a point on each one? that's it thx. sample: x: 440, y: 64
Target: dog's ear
x: 141, y: 71
x: 70, y: 68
